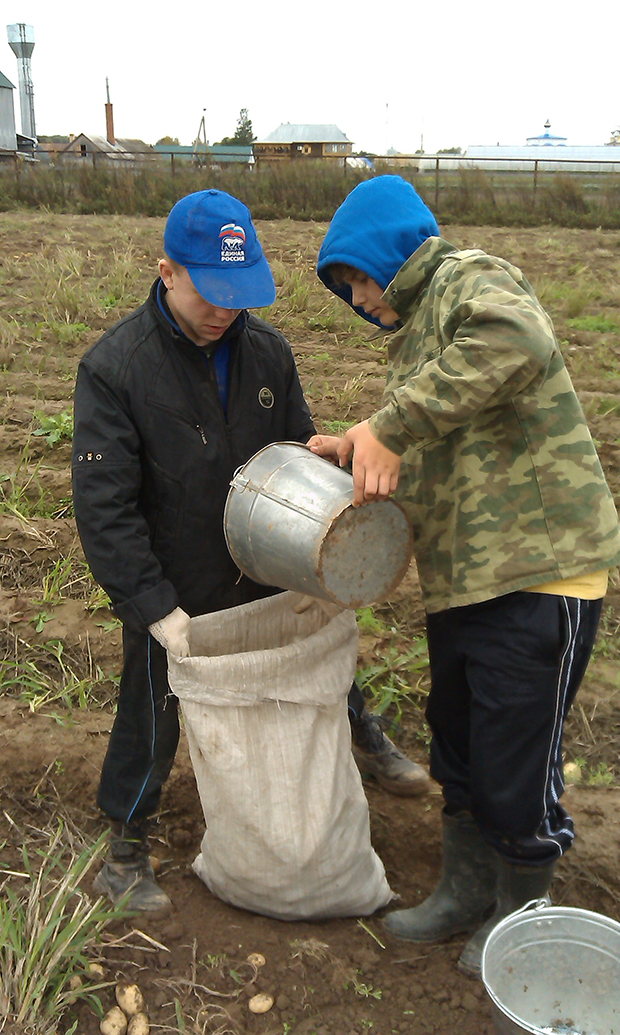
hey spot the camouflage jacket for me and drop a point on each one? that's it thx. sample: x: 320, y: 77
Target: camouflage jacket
x: 499, y: 474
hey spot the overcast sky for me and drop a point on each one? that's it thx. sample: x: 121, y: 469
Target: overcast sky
x: 458, y: 72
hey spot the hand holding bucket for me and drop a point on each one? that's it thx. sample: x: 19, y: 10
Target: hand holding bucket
x: 375, y: 467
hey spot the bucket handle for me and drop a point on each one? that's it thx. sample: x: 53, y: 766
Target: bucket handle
x: 241, y: 483
x: 537, y: 904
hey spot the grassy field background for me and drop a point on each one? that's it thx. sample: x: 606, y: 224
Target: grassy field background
x: 65, y: 278
x: 313, y: 190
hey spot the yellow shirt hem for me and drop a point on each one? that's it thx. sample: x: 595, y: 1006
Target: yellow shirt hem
x: 592, y: 586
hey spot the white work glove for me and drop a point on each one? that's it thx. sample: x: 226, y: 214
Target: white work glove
x: 305, y: 602
x: 173, y: 632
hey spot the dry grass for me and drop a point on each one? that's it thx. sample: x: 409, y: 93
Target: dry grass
x: 51, y: 930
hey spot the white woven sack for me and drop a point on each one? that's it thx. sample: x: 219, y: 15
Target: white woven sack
x: 264, y: 698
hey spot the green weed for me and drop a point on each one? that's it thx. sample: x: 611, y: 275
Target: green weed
x: 296, y: 292
x: 9, y: 335
x: 68, y: 333
x: 21, y: 492
x: 395, y: 678
x: 608, y: 405
x: 279, y: 271
x: 98, y: 599
x: 42, y: 676
x: 366, y: 991
x: 337, y: 427
x: 607, y: 643
x: 578, y: 300
x: 114, y: 623
x: 367, y: 621
x: 60, y: 283
x: 54, y: 427
x: 217, y: 960
x: 121, y: 280
x: 597, y: 322
x: 324, y: 319
x: 349, y: 395
x: 600, y: 776
x: 60, y: 577
x: 39, y: 620
x: 574, y: 297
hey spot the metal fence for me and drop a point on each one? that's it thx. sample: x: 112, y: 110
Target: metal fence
x: 441, y: 174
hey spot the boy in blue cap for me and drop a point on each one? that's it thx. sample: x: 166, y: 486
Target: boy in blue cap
x: 168, y: 404
x: 482, y: 437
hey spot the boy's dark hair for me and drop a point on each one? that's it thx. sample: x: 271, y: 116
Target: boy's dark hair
x: 341, y: 273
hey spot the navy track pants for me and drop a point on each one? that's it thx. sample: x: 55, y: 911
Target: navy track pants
x: 503, y: 675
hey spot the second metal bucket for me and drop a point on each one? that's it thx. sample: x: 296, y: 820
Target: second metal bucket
x: 290, y: 522
x: 554, y: 970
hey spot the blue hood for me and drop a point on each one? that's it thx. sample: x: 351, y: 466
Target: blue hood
x: 378, y: 226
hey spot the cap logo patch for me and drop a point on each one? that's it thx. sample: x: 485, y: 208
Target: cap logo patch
x: 232, y: 243
x: 265, y: 398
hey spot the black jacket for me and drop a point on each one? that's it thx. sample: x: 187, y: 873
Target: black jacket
x: 154, y: 454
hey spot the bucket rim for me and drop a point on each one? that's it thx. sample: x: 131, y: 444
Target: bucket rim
x: 280, y: 442
x: 531, y: 911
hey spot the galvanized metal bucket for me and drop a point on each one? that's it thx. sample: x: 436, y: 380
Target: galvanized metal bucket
x: 290, y: 522
x: 554, y: 970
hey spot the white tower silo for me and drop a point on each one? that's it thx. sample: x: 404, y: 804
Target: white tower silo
x: 21, y: 42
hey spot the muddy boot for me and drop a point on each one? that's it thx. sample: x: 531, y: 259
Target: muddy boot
x: 377, y: 757
x: 516, y: 885
x: 128, y: 868
x: 466, y: 891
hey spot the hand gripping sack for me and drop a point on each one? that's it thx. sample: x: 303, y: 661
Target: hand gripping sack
x: 264, y: 699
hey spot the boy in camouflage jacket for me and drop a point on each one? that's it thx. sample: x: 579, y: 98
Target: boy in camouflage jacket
x: 482, y: 439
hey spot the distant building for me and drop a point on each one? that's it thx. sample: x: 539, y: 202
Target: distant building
x: 123, y: 150
x: 360, y: 162
x: 8, y: 138
x: 293, y: 141
x: 546, y: 139
x: 108, y: 148
x: 211, y: 154
x: 546, y: 152
x: 12, y: 143
x: 224, y: 154
x: 396, y: 159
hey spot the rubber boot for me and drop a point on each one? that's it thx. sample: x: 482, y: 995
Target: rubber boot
x: 466, y: 891
x: 128, y: 868
x: 516, y: 885
x: 376, y: 756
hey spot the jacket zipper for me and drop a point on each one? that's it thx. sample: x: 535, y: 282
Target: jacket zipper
x: 197, y: 427
x: 213, y: 381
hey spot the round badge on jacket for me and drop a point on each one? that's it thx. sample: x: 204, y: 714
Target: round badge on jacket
x: 265, y: 398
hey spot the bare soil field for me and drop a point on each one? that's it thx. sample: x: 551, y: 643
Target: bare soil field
x: 64, y: 279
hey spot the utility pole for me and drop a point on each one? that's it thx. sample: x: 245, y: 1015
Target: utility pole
x: 200, y: 143
x: 109, y: 115
x: 387, y: 128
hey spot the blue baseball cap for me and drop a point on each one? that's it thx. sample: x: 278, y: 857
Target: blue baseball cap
x: 213, y: 236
